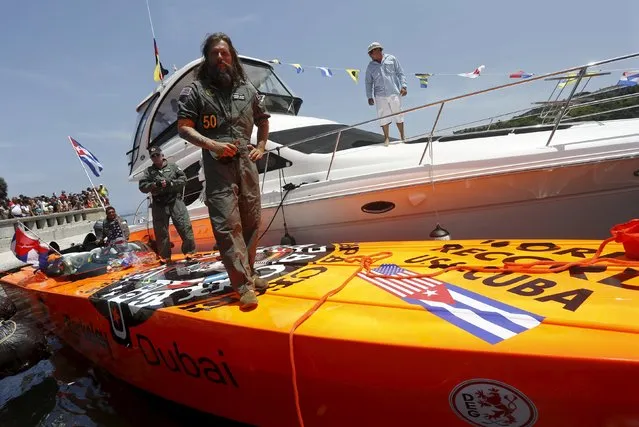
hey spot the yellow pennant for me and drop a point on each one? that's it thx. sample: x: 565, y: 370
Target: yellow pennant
x: 353, y: 73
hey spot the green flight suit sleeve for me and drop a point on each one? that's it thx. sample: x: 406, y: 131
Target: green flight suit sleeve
x: 179, y: 179
x: 146, y: 182
x: 188, y: 103
x: 259, y: 109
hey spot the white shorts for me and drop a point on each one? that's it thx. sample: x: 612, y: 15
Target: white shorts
x: 388, y: 105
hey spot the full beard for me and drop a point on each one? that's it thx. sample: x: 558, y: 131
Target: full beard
x: 222, y: 77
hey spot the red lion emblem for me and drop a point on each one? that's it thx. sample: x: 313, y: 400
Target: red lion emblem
x: 502, y: 407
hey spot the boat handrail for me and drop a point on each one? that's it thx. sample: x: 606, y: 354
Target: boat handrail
x: 516, y: 128
x: 564, y: 106
x: 466, y: 95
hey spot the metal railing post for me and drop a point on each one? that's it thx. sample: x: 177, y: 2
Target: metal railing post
x: 268, y: 153
x: 564, y: 108
x: 339, y: 135
x: 432, y: 131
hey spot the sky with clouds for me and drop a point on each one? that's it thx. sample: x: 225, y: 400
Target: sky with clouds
x: 80, y: 67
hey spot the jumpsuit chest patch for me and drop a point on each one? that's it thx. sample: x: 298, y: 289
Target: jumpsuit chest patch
x: 209, y: 121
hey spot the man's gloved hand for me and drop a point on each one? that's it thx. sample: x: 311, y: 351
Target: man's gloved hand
x: 161, y: 183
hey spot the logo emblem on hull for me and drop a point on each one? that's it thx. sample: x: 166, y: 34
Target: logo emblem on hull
x: 482, y: 402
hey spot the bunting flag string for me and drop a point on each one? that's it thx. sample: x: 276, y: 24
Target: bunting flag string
x: 353, y: 73
x: 628, y: 78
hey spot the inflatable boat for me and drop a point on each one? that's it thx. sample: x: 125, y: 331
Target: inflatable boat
x: 440, y: 333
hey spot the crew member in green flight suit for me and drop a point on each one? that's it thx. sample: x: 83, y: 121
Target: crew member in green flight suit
x: 217, y: 112
x: 165, y: 181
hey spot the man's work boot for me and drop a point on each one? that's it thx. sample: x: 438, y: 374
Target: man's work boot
x: 248, y: 299
x: 261, y: 285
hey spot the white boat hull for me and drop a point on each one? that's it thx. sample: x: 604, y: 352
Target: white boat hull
x: 578, y: 201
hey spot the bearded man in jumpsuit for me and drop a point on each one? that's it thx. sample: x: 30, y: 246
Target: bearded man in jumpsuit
x: 217, y: 112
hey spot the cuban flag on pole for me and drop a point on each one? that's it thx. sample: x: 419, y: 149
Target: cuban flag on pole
x: 87, y: 157
x: 486, y: 318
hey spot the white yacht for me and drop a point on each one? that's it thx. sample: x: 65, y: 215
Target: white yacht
x: 325, y: 181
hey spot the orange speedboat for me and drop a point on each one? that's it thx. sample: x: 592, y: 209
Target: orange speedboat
x: 443, y: 333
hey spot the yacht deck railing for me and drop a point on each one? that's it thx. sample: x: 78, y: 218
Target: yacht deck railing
x: 564, y: 106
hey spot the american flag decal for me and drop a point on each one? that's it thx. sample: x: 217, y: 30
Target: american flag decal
x: 486, y: 318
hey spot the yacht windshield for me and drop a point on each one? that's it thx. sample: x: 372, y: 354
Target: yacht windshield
x: 351, y: 138
x: 143, y: 115
x: 264, y: 79
x: 278, y: 99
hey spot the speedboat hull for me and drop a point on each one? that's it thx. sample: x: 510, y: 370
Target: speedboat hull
x: 461, y: 348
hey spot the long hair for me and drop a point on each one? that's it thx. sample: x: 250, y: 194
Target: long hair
x: 204, y: 70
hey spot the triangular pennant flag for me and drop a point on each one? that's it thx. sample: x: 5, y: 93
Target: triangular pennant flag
x: 298, y: 67
x: 353, y: 73
x: 474, y: 74
x: 275, y: 61
x: 326, y: 72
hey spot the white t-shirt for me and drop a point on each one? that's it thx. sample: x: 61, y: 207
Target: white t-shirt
x: 16, y: 210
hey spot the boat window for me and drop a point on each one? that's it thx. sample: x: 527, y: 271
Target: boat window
x: 278, y: 99
x: 166, y: 114
x: 275, y: 162
x: 351, y: 138
x: 143, y: 115
x: 264, y: 79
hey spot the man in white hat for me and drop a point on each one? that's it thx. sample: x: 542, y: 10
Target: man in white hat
x: 385, y: 84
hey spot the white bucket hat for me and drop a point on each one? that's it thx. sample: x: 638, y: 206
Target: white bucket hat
x: 374, y: 45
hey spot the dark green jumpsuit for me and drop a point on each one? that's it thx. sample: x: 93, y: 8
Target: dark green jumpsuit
x: 167, y: 203
x: 232, y: 186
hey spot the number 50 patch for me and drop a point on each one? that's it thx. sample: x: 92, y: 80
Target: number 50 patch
x: 209, y: 121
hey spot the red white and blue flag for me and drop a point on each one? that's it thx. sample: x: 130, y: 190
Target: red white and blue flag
x: 87, y: 157
x: 486, y: 318
x: 629, y: 78
x: 521, y: 75
x: 28, y: 248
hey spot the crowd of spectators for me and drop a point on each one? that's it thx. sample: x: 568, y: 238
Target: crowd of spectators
x: 22, y: 206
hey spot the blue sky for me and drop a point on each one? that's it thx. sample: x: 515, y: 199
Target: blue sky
x: 80, y: 67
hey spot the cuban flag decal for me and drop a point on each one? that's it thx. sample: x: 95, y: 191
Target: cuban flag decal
x: 486, y: 318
